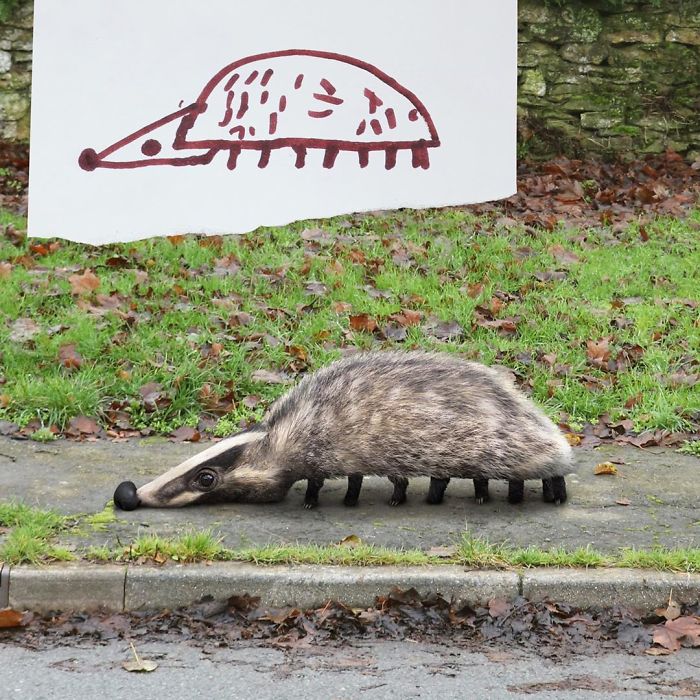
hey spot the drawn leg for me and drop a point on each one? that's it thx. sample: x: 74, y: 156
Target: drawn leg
x: 364, y: 158
x: 312, y: 489
x: 436, y: 492
x: 421, y: 158
x: 481, y: 490
x: 233, y: 154
x: 390, y: 158
x: 354, y: 488
x: 554, y: 490
x: 329, y: 157
x: 516, y: 490
x: 264, y: 157
x: 301, y: 156
x: 400, y: 486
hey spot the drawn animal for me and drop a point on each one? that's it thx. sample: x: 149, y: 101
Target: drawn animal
x: 298, y: 99
x: 394, y: 414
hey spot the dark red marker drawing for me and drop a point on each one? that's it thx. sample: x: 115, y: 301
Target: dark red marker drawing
x: 298, y: 99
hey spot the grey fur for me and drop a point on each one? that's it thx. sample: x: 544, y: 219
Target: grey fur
x: 394, y: 414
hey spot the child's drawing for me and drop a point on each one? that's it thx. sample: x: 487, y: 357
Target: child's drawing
x: 297, y: 99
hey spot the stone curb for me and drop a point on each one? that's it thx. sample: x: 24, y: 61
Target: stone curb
x: 128, y: 587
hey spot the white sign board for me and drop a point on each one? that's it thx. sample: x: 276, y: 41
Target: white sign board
x: 154, y: 117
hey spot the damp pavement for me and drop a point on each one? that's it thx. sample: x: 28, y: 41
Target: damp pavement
x: 652, y: 500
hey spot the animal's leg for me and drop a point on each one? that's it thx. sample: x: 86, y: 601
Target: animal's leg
x: 354, y: 488
x: 312, y: 489
x: 554, y: 490
x: 516, y: 489
x: 400, y: 486
x: 436, y: 491
x: 481, y: 490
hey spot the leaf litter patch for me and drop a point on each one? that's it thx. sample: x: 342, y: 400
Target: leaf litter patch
x: 555, y: 630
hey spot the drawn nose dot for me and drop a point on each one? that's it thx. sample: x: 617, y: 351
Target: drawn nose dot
x: 151, y: 148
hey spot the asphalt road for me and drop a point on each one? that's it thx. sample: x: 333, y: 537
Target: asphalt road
x: 370, y: 670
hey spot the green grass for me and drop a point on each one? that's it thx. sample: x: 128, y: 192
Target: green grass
x: 31, y: 532
x: 168, y: 302
x: 690, y: 447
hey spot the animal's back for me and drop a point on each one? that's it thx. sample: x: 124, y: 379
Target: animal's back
x: 412, y: 413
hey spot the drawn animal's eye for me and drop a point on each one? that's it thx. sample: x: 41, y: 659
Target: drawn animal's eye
x: 151, y: 147
x: 206, y: 480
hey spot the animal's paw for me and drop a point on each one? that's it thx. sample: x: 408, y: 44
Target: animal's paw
x: 350, y: 502
x: 396, y: 501
x: 310, y: 505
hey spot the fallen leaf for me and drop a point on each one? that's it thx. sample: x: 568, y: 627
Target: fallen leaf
x: 186, y: 434
x: 350, y: 541
x: 672, y: 609
x: 139, y: 665
x: 572, y: 439
x: 623, y: 501
x: 264, y: 375
x: 362, y: 322
x: 598, y: 351
x: 11, y: 618
x: 82, y: 425
x: 565, y: 257
x: 84, y: 284
x: 23, y: 329
x: 499, y: 607
x: 69, y: 357
x: 5, y: 269
x: 605, y: 468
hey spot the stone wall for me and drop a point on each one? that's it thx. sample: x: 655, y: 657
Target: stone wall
x: 16, y: 73
x: 611, y: 76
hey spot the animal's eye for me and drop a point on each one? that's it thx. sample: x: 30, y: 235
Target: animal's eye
x: 205, y: 480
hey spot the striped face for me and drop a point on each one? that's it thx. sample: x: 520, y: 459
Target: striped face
x: 219, y: 473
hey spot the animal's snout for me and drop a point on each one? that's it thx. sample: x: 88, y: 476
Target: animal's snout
x: 88, y: 160
x: 125, y: 496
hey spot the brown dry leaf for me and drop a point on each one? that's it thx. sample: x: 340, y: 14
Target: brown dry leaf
x: 499, y: 607
x: 139, y: 665
x: 186, y: 434
x: 11, y: 618
x: 84, y: 284
x: 83, y: 425
x: 350, y: 541
x: 177, y: 239
x: 671, y: 611
x: 623, y: 501
x: 335, y: 268
x: 605, y: 468
x: 23, y: 329
x: 69, y: 357
x: 475, y: 290
x: 298, y: 351
x: 340, y: 307
x: 686, y: 628
x: 565, y: 257
x: 598, y: 351
x: 5, y: 269
x: 573, y: 440
x: 5, y: 400
x: 264, y: 375
x: 363, y: 322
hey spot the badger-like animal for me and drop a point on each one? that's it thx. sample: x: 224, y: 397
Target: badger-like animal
x: 393, y: 414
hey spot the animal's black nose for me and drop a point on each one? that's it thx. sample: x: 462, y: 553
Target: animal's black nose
x: 88, y: 159
x: 125, y: 496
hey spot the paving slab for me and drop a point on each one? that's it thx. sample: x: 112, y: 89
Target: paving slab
x: 662, y: 487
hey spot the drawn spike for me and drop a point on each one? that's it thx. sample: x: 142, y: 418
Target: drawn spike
x: 363, y: 157
x: 330, y: 156
x: 301, y: 156
x: 233, y: 154
x: 264, y: 157
x: 390, y: 158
